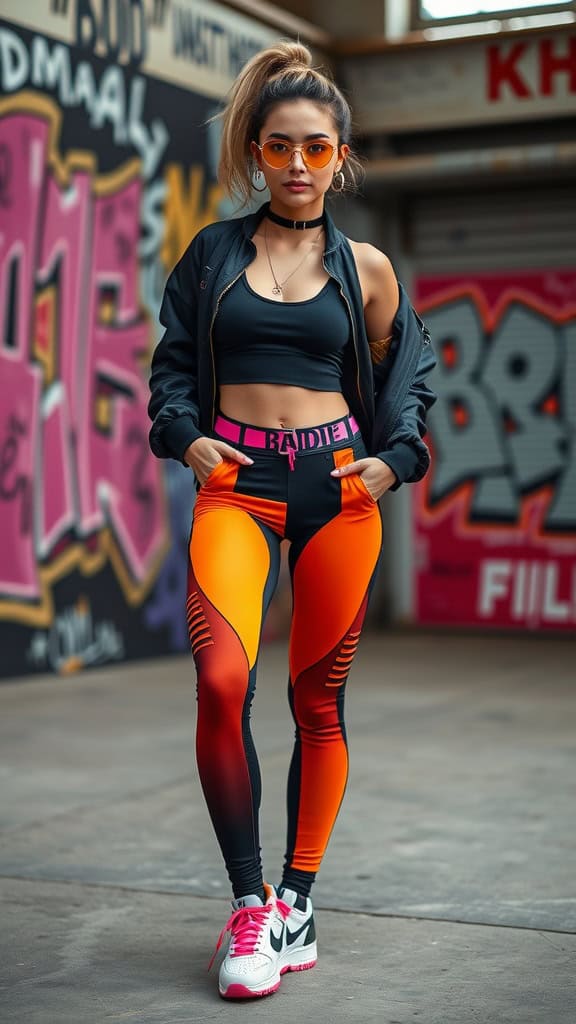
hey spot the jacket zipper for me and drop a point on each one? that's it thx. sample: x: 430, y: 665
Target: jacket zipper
x: 353, y: 323
x: 214, y: 315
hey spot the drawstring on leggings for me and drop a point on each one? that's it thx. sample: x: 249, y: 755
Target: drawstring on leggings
x: 291, y: 453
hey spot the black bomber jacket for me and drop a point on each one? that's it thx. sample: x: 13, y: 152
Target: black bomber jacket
x: 385, y: 389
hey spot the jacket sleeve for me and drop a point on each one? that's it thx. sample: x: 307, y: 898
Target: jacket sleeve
x: 406, y: 452
x: 173, y: 406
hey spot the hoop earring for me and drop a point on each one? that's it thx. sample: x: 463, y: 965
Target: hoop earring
x: 340, y: 177
x: 259, y: 175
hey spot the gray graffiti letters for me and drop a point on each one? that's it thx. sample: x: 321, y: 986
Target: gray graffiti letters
x: 505, y: 419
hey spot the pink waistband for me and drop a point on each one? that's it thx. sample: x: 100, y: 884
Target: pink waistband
x: 286, y: 441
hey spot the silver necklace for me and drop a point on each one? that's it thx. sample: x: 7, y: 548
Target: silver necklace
x: 278, y: 286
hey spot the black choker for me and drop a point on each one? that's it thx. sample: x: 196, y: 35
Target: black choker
x: 297, y: 225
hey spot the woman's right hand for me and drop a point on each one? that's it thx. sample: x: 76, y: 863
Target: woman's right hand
x: 204, y: 454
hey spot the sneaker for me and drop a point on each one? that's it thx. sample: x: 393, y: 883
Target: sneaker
x: 252, y: 965
x: 299, y: 952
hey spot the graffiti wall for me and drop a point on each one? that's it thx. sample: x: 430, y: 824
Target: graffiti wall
x: 107, y: 169
x: 495, y: 519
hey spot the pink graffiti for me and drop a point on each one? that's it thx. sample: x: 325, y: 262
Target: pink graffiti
x: 74, y: 458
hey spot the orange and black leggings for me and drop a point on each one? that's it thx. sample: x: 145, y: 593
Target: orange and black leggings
x: 334, y: 526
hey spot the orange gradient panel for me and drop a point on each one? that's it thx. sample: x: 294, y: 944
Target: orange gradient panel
x: 319, y: 803
x: 324, y: 756
x: 231, y: 564
x: 333, y: 573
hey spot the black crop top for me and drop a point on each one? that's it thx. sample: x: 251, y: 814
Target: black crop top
x: 261, y: 341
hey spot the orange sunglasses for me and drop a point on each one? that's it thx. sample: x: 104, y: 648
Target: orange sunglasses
x: 316, y: 153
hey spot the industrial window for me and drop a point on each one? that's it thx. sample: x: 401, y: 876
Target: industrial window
x: 427, y: 13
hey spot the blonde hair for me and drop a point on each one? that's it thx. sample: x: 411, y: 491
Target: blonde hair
x: 280, y: 72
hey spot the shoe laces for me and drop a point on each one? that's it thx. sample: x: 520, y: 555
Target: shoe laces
x: 246, y: 926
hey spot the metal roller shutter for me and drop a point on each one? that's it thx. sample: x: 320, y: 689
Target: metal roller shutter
x: 489, y: 229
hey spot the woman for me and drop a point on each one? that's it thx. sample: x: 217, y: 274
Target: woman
x: 291, y: 379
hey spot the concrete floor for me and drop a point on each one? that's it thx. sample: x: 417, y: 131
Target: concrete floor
x: 448, y: 893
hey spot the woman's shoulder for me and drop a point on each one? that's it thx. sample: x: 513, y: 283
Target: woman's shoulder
x: 374, y: 268
x: 370, y: 259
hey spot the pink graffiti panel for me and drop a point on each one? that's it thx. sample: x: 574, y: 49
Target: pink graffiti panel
x: 20, y: 392
x: 495, y: 518
x: 135, y: 507
x: 57, y: 494
x: 23, y: 139
x: 73, y: 428
x: 123, y: 480
x: 64, y: 268
x: 118, y: 478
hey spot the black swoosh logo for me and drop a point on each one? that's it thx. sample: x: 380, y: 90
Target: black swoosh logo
x: 276, y: 941
x: 292, y: 936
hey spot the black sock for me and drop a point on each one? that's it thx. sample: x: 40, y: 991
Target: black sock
x: 299, y: 881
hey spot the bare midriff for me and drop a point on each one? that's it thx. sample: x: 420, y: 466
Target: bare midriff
x: 281, y: 405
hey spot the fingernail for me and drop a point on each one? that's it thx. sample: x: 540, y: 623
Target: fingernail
x: 249, y: 460
x: 335, y: 472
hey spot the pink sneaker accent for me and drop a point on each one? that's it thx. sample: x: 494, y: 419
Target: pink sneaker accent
x: 253, y: 961
x: 245, y: 926
x: 242, y: 992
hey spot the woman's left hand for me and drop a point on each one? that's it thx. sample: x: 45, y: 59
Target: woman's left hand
x: 377, y: 475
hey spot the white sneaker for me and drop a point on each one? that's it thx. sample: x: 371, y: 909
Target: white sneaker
x: 252, y: 965
x: 299, y: 951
